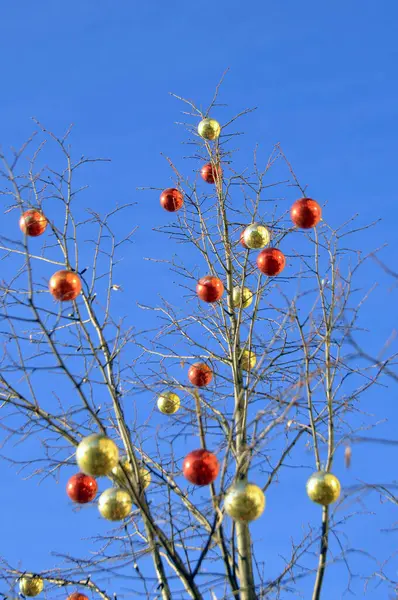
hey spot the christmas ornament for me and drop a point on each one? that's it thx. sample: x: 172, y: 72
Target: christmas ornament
x: 247, y: 360
x: 81, y: 488
x: 209, y: 129
x: 271, y: 261
x: 171, y: 199
x: 209, y: 288
x: 200, y: 374
x: 31, y: 585
x: 242, y: 239
x: 244, y: 502
x: 306, y: 213
x: 97, y: 455
x: 168, y: 403
x: 211, y: 173
x: 65, y: 285
x: 241, y: 296
x: 115, y: 504
x: 125, y: 474
x: 323, y: 488
x: 201, y: 467
x: 256, y: 236
x: 33, y: 223
x: 77, y: 596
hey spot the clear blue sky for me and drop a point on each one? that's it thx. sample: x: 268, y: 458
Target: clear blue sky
x: 324, y: 78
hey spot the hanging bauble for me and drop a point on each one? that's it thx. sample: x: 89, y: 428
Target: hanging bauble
x: 241, y: 296
x: 200, y: 374
x: 115, y: 504
x: 256, y: 236
x: 97, y: 455
x: 242, y: 239
x: 31, y: 585
x: 171, y: 199
x: 209, y: 129
x: 209, y: 288
x: 210, y: 173
x: 65, y: 285
x: 323, y: 488
x: 168, y: 403
x: 306, y: 213
x: 271, y: 261
x: 248, y: 360
x: 81, y: 488
x: 244, y: 502
x: 201, y: 467
x: 77, y: 596
x: 33, y: 223
x: 125, y: 475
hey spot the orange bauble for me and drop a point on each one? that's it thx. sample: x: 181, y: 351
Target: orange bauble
x: 171, y: 199
x: 201, y: 467
x: 200, y: 374
x: 81, y: 488
x: 65, y: 285
x: 77, y: 596
x: 33, y: 223
x: 271, y: 261
x: 210, y: 289
x: 211, y: 173
x: 306, y: 213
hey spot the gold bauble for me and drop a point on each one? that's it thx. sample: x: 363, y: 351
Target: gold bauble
x: 168, y: 403
x: 256, y: 236
x: 97, y: 455
x: 241, y: 295
x: 123, y: 475
x: 115, y: 504
x: 244, y: 502
x: 248, y: 360
x: 209, y: 129
x: 323, y: 488
x: 31, y: 585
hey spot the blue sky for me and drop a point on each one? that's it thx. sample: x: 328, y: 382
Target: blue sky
x: 324, y: 79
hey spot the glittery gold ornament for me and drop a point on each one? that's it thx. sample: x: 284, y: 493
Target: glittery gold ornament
x: 248, y: 360
x: 115, y: 504
x: 244, y: 296
x: 97, y: 455
x: 123, y: 476
x: 323, y: 488
x: 256, y: 236
x: 209, y: 129
x: 244, y: 502
x: 31, y: 585
x: 168, y: 403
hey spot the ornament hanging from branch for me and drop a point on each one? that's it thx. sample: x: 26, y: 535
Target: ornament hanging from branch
x: 171, y: 199
x: 81, y: 488
x: 323, y: 488
x: 65, y: 286
x: 201, y: 467
x: 209, y: 129
x: 244, y: 502
x: 33, y: 223
x: 97, y: 455
x: 210, y: 288
x: 256, y: 236
x: 271, y: 261
x: 306, y: 213
x: 200, y: 374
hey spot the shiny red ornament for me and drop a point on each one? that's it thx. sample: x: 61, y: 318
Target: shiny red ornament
x: 77, y: 596
x: 210, y: 173
x: 200, y: 374
x: 171, y: 199
x: 81, y: 488
x: 210, y: 289
x: 242, y: 239
x: 201, y: 467
x: 306, y: 213
x: 32, y: 223
x: 271, y: 261
x: 65, y: 285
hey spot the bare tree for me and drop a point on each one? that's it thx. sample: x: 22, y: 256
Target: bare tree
x: 277, y: 347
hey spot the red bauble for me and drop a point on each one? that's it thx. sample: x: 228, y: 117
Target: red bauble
x: 65, y: 285
x: 210, y: 289
x: 271, y: 261
x: 242, y: 240
x: 77, y: 596
x: 210, y: 173
x: 171, y: 199
x: 306, y: 213
x: 201, y: 467
x: 200, y: 374
x: 32, y: 223
x: 81, y: 488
